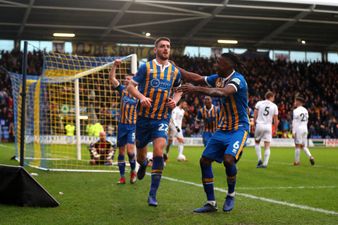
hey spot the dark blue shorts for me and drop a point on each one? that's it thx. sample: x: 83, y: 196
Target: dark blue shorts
x: 225, y: 143
x: 206, y: 136
x: 149, y: 129
x: 125, y: 134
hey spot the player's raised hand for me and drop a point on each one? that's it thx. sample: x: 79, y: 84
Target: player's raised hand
x: 117, y: 62
x: 146, y: 102
x: 187, y: 88
x: 171, y: 103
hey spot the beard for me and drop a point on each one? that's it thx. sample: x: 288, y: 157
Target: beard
x: 163, y: 56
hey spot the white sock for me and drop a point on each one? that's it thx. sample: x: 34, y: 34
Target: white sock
x: 232, y: 194
x: 258, y: 152
x: 307, y: 152
x: 213, y: 203
x: 266, y: 156
x: 297, y: 155
x: 180, y: 149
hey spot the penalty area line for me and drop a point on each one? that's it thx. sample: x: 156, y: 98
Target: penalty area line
x: 263, y: 199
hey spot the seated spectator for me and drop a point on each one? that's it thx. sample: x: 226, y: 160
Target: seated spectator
x: 102, y: 151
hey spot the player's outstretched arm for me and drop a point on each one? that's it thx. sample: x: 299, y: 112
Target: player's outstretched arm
x: 112, y: 73
x: 192, y: 77
x: 226, y: 91
x: 146, y: 102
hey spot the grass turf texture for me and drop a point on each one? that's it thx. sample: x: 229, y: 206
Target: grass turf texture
x: 95, y: 198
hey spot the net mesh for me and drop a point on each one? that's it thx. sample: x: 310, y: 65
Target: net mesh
x: 73, y: 92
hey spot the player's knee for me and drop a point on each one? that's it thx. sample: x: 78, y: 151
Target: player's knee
x: 229, y: 160
x: 205, y: 162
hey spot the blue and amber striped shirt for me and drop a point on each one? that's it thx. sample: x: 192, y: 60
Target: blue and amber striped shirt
x: 209, y: 117
x: 127, y: 106
x: 156, y: 82
x: 233, y: 114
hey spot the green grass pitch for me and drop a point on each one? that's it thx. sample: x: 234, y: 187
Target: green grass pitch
x: 280, y: 194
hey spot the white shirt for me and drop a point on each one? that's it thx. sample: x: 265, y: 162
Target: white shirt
x: 266, y: 111
x: 300, y: 119
x: 177, y: 116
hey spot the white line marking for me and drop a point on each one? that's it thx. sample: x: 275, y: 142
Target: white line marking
x: 305, y: 207
x: 290, y: 187
x: 291, y: 164
x: 5, y: 146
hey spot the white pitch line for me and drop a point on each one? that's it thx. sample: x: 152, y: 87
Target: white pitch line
x: 305, y: 207
x: 291, y: 164
x: 5, y: 146
x: 290, y: 187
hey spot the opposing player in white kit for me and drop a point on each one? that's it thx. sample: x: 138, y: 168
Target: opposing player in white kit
x: 265, y: 113
x: 175, y: 130
x: 299, y: 130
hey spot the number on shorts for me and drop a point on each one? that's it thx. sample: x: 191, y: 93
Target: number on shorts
x: 163, y: 127
x: 235, y: 146
x: 266, y: 111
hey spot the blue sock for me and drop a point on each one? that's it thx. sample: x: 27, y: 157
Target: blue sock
x: 156, y: 174
x: 132, y: 161
x: 231, y: 172
x: 208, y: 181
x: 122, y: 164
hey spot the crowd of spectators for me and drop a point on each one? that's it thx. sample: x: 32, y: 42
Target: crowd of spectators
x: 316, y: 81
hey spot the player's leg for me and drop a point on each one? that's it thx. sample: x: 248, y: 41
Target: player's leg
x: 180, y: 146
x: 121, y: 164
x: 297, y: 149
x: 258, y: 153
x: 266, y: 153
x: 232, y: 154
x: 258, y: 146
x: 297, y: 155
x: 131, y: 153
x: 142, y: 161
x: 171, y: 134
x: 132, y: 162
x: 157, y: 168
x: 208, y: 185
x: 213, y: 152
x: 143, y: 137
x: 305, y: 148
x: 121, y: 143
x: 167, y: 149
x: 308, y: 154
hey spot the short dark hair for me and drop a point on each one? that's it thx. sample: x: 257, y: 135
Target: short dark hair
x: 233, y: 57
x: 161, y: 39
x: 269, y: 94
x: 300, y: 98
x: 181, y: 101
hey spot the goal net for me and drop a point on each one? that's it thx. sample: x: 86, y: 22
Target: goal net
x: 66, y: 108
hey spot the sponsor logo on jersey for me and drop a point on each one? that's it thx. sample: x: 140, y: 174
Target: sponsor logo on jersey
x: 156, y: 83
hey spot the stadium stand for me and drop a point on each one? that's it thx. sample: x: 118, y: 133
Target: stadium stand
x: 313, y: 80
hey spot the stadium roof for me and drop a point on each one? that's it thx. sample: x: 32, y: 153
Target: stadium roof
x: 255, y: 24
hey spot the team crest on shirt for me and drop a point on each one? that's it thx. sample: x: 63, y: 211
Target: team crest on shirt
x: 219, y: 83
